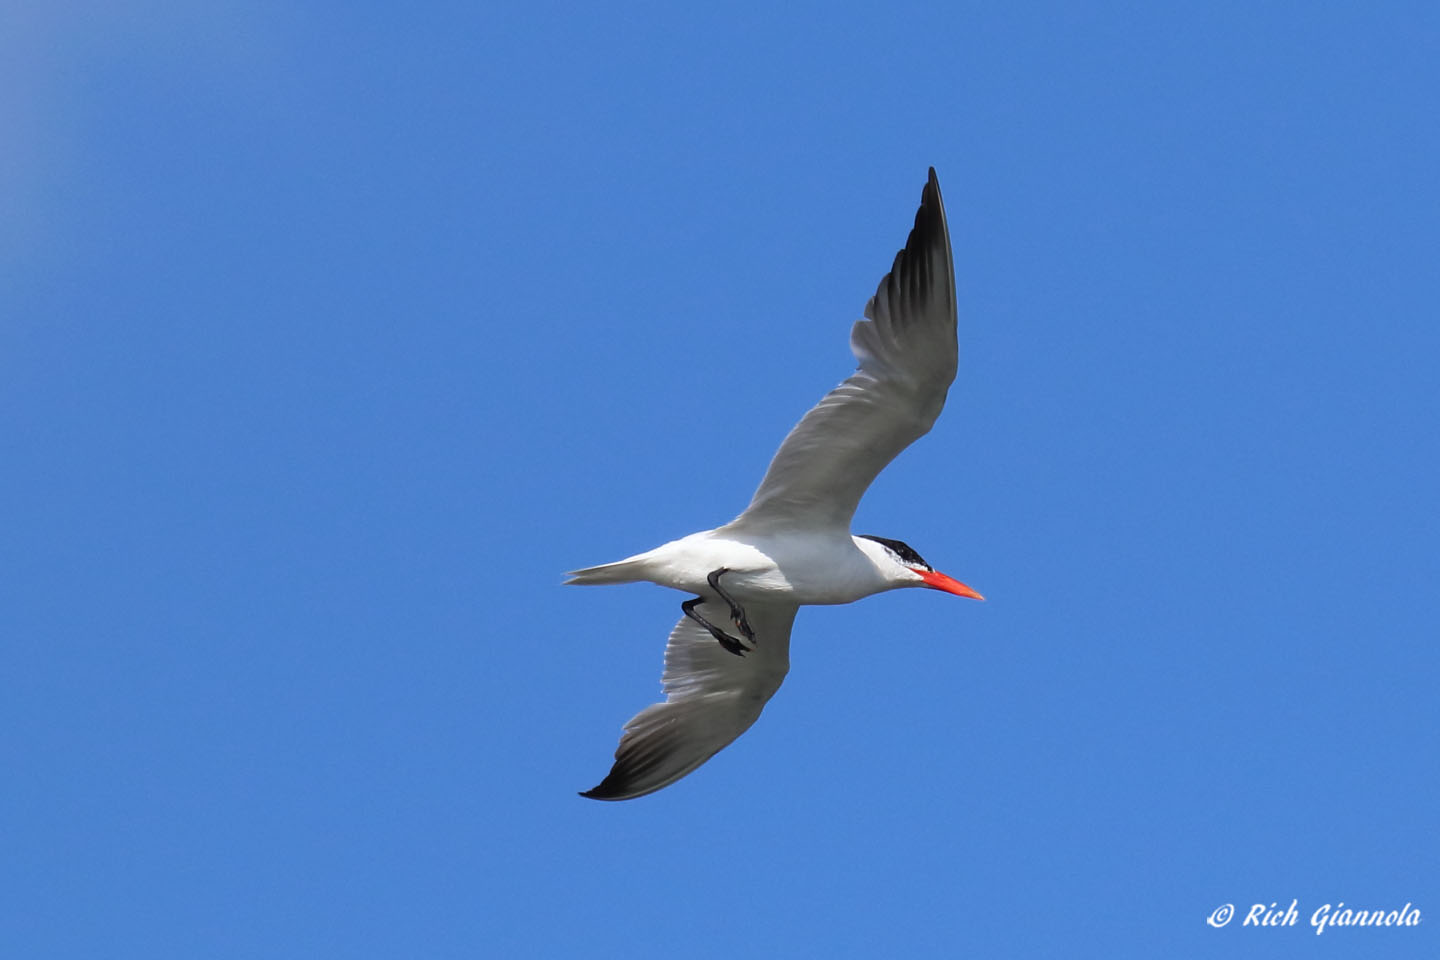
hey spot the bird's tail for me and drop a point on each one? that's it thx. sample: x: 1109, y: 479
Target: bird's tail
x: 621, y: 571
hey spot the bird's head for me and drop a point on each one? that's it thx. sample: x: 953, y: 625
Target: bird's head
x: 899, y: 562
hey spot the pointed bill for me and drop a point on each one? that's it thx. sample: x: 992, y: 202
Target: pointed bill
x: 939, y: 581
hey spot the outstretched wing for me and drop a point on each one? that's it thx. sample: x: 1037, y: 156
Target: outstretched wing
x: 907, y: 352
x: 711, y: 697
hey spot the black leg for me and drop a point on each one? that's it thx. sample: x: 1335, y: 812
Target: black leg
x: 737, y: 612
x: 726, y: 641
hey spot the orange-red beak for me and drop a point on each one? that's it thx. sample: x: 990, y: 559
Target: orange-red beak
x: 938, y: 581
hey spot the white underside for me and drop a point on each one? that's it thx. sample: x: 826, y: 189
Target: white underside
x: 797, y: 568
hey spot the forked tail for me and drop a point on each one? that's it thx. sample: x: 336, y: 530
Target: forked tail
x: 621, y: 571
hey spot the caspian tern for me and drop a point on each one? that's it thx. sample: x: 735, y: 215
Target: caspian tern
x: 792, y: 545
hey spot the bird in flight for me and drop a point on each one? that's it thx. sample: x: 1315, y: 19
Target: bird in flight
x: 730, y: 651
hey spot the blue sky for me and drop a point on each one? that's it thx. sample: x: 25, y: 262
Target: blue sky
x: 332, y: 334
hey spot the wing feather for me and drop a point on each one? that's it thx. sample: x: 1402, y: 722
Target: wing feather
x: 711, y: 697
x: 907, y: 351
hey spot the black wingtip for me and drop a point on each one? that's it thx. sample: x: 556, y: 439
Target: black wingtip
x: 932, y: 190
x: 930, y: 231
x: 603, y: 792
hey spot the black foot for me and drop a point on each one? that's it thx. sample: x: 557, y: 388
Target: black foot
x: 737, y: 612
x: 733, y: 645
x: 728, y: 642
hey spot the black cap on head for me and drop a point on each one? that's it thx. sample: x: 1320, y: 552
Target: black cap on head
x: 901, y: 549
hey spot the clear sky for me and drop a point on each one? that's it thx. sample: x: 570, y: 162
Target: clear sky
x: 331, y: 335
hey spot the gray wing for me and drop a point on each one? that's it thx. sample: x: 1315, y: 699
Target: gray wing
x: 711, y: 697
x: 907, y: 351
